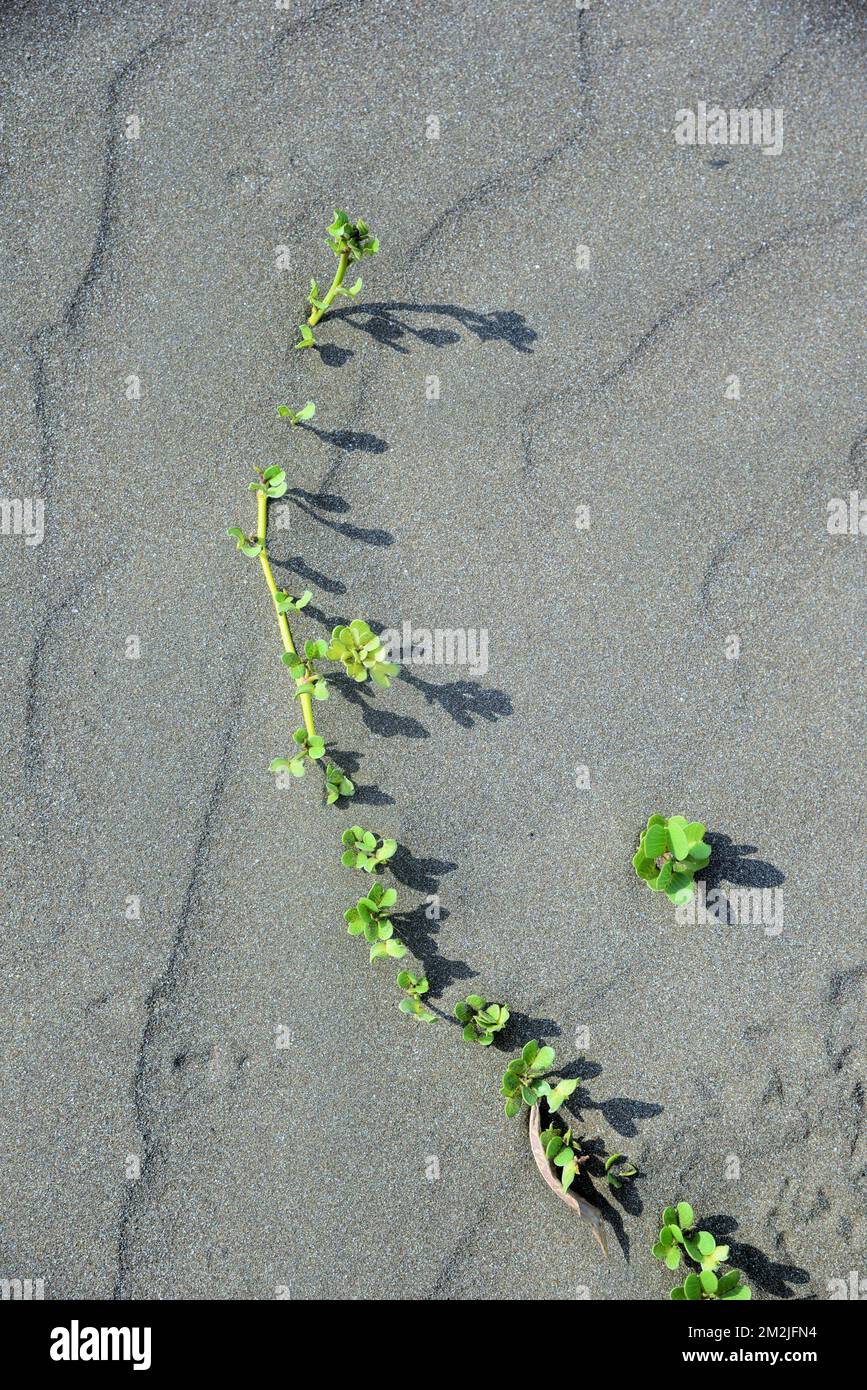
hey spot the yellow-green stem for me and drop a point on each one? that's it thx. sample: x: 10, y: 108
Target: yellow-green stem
x: 261, y: 529
x: 316, y: 314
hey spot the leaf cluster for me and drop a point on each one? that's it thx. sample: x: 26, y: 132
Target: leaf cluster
x: 481, y: 1020
x: 366, y: 850
x: 308, y: 746
x: 361, y: 653
x: 524, y: 1080
x: 414, y: 986
x: 670, y: 853
x: 679, y: 1239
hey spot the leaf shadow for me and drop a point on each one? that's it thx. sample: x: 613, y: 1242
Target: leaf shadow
x: 770, y: 1275
x: 383, y: 723
x: 318, y: 504
x: 419, y: 928
x: 388, y: 323
x: 349, y: 441
x: 463, y: 700
x: 295, y: 565
x: 730, y: 863
x: 365, y: 795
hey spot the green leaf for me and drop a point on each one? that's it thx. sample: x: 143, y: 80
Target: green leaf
x: 678, y: 891
x: 685, y: 1216
x: 307, y: 338
x: 678, y: 836
x: 544, y: 1059
x: 512, y: 1107
x: 528, y: 1052
x: 306, y: 412
x: 562, y: 1091
x: 654, y: 841
x: 708, y: 1281
x: 692, y: 1287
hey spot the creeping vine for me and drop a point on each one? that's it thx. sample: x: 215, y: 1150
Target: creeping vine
x: 671, y: 851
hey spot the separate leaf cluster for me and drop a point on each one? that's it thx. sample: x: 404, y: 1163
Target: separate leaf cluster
x: 415, y: 987
x: 361, y: 653
x: 481, y: 1020
x: 272, y: 482
x: 352, y: 239
x: 308, y: 681
x: 365, y: 849
x: 524, y: 1080
x: 670, y: 852
x: 297, y: 417
x: 679, y: 1239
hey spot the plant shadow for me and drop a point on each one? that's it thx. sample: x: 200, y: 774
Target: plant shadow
x: 381, y: 722
x: 623, y: 1115
x: 295, y: 565
x: 387, y: 323
x: 463, y: 700
x: 371, y: 794
x: 419, y: 928
x: 349, y: 441
x: 319, y: 504
x: 729, y: 863
x: 770, y: 1275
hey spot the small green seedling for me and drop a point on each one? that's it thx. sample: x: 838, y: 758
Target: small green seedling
x: 480, y: 1019
x: 361, y: 653
x: 307, y: 338
x: 564, y: 1152
x: 370, y: 917
x: 272, y: 482
x: 351, y: 242
x: 524, y: 1083
x: 670, y: 853
x: 285, y: 603
x: 414, y: 986
x: 308, y: 745
x: 248, y: 545
x: 706, y: 1286
x: 337, y: 784
x: 617, y: 1170
x: 366, y: 850
x: 295, y: 417
x: 308, y: 681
